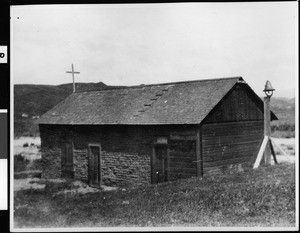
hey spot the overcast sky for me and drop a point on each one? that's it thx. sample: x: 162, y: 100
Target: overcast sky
x: 153, y: 43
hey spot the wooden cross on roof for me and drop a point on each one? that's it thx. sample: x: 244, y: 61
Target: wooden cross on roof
x: 73, y: 72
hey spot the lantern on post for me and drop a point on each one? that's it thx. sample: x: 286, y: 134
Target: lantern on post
x: 267, y: 113
x: 267, y: 118
x: 268, y: 89
x: 266, y: 147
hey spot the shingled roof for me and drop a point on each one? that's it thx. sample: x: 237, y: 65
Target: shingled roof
x: 168, y: 103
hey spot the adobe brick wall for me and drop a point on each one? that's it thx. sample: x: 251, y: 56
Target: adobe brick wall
x: 80, y: 161
x: 125, y: 151
x: 125, y: 169
x: 117, y: 169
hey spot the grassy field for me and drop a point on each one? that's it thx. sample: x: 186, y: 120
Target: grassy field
x: 262, y: 197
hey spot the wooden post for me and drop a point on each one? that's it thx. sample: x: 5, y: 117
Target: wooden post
x: 153, y: 164
x: 198, y: 153
x: 168, y: 163
x: 201, y: 153
x: 266, y: 148
x: 267, y: 129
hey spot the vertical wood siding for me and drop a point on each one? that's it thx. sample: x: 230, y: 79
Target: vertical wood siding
x: 239, y: 105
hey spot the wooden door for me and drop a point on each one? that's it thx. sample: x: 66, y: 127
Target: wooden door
x: 94, y: 165
x: 160, y: 164
x: 67, y: 160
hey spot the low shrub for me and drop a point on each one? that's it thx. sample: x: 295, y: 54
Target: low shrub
x: 36, y: 164
x: 20, y: 163
x: 283, y: 126
x: 283, y: 134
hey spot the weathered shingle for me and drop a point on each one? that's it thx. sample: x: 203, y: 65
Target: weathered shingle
x: 170, y: 103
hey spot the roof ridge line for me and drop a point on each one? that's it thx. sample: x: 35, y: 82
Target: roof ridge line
x: 170, y: 83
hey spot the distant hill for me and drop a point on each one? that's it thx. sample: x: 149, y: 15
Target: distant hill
x: 284, y: 108
x: 35, y: 100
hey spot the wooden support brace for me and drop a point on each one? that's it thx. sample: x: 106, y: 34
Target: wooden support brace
x: 261, y: 152
x: 272, y: 151
x: 279, y: 147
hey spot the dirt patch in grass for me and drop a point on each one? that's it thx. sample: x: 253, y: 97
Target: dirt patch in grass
x: 57, y: 186
x: 79, y: 187
x: 28, y: 174
x: 28, y: 183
